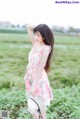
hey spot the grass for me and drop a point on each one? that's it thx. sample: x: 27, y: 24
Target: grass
x: 66, y: 104
x: 67, y: 40
x: 64, y: 76
x: 14, y: 58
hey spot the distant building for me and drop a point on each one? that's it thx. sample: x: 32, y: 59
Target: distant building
x: 6, y: 24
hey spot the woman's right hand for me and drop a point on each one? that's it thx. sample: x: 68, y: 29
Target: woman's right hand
x: 30, y: 33
x: 30, y: 27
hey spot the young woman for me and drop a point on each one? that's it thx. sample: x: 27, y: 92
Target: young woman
x: 36, y: 78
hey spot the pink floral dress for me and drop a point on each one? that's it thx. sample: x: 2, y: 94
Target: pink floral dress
x: 36, y: 76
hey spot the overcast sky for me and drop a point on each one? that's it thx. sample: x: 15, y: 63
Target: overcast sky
x: 40, y: 11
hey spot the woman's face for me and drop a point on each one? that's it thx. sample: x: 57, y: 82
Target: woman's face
x: 38, y: 37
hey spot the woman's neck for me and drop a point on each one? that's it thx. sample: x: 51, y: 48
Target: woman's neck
x: 41, y: 44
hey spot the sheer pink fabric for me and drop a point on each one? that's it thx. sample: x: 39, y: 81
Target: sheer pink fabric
x: 36, y: 78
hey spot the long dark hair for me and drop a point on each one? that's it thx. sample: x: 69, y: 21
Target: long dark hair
x: 48, y: 37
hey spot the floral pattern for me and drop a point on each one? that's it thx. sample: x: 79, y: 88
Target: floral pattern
x: 36, y: 76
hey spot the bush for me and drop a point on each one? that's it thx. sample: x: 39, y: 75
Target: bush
x: 66, y: 104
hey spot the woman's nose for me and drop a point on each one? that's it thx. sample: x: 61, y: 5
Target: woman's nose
x: 36, y: 37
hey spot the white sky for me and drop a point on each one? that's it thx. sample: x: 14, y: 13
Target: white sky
x: 40, y: 11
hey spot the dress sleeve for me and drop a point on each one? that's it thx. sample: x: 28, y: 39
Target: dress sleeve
x: 39, y: 62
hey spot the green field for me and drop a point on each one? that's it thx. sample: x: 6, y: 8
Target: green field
x: 64, y: 76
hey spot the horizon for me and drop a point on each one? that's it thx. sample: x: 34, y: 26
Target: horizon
x: 36, y: 12
x: 46, y: 24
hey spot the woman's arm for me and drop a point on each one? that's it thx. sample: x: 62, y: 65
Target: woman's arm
x: 30, y: 33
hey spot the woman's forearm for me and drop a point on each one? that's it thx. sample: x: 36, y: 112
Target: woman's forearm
x: 30, y: 32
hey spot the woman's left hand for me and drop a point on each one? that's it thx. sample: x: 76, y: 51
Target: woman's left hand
x: 32, y: 91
